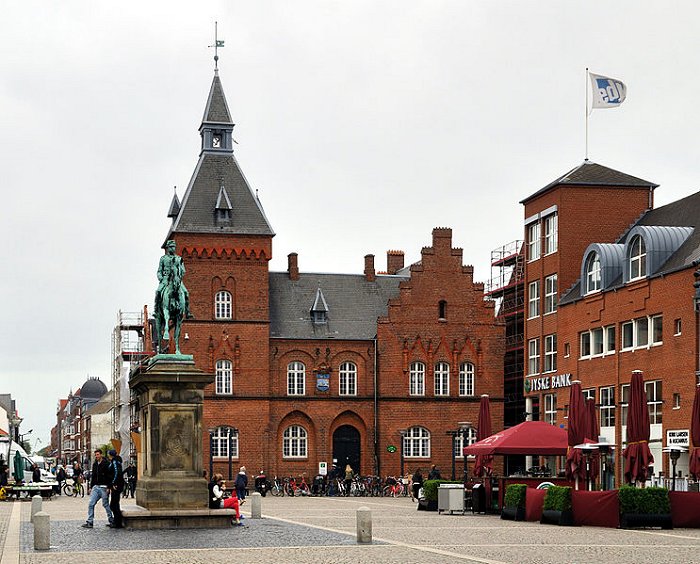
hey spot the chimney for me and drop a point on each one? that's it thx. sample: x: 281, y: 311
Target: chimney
x: 292, y: 267
x: 442, y: 240
x: 370, y: 275
x: 394, y: 261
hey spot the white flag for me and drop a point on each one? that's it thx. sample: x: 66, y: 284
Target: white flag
x: 607, y: 92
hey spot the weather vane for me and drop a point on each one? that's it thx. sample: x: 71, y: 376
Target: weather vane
x: 217, y: 43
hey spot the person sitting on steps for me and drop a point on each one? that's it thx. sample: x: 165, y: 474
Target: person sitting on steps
x: 217, y: 499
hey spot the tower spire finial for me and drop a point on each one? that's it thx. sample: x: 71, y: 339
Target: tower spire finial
x: 217, y: 43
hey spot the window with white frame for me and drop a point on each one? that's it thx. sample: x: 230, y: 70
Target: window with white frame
x: 296, y: 379
x: 588, y: 393
x: 220, y: 441
x: 550, y: 294
x: 597, y: 341
x: 416, y: 443
x: 533, y: 241
x: 533, y: 356
x: 466, y: 379
x: 533, y: 299
x: 295, y: 442
x: 442, y: 379
x: 607, y: 406
x: 551, y: 235
x: 642, y: 333
x: 222, y: 305
x: 347, y: 376
x: 624, y: 402
x: 627, y: 335
x: 224, y: 377
x: 677, y: 327
x: 657, y: 324
x: 610, y: 339
x: 550, y: 409
x: 417, y: 379
x: 641, y: 329
x: 460, y: 441
x: 585, y: 349
x: 637, y: 258
x: 593, y: 273
x: 654, y: 401
x: 550, y: 353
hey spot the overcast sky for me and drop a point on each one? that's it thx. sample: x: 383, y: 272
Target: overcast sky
x: 363, y: 124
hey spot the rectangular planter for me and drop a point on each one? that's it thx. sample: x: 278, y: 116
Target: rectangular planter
x: 637, y: 520
x: 552, y: 517
x: 513, y: 513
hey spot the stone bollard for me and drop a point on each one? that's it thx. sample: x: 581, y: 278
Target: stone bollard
x: 255, y: 506
x: 36, y: 506
x: 42, y: 531
x: 364, y: 525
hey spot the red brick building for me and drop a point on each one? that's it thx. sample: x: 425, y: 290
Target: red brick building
x: 609, y: 290
x: 315, y: 367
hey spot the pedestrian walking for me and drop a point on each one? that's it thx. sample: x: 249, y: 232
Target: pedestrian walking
x: 100, y: 481
x: 416, y: 483
x: 131, y: 475
x: 348, y: 478
x: 116, y: 488
x: 60, y: 477
x: 434, y: 473
x: 241, y: 483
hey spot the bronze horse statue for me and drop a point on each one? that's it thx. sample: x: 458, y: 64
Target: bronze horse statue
x: 172, y: 299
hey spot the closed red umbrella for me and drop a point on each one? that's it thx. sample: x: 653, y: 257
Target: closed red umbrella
x: 695, y: 435
x: 483, y: 462
x: 637, y: 455
x: 576, y: 434
x: 592, y: 433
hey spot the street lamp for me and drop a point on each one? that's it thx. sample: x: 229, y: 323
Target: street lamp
x: 402, y: 432
x: 454, y: 435
x: 464, y: 427
x: 211, y: 453
x: 230, y: 432
x: 674, y: 453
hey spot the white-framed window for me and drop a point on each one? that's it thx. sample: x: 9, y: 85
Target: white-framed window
x: 296, y: 379
x: 567, y: 350
x: 627, y: 335
x: 641, y: 329
x: 295, y: 442
x: 642, y: 333
x: 220, y: 443
x: 624, y: 402
x: 610, y: 339
x: 347, y: 377
x: 466, y: 379
x: 654, y: 401
x: 676, y: 401
x: 657, y: 324
x: 550, y: 294
x: 533, y: 241
x: 533, y: 299
x: 550, y: 353
x: 416, y: 385
x: 460, y: 441
x: 593, y: 273
x: 223, y: 305
x: 637, y: 258
x: 677, y: 327
x: 597, y: 342
x: 551, y: 235
x: 585, y: 349
x: 416, y: 443
x: 550, y: 409
x: 607, y: 407
x: 224, y: 377
x: 442, y: 379
x: 533, y: 356
x: 588, y: 393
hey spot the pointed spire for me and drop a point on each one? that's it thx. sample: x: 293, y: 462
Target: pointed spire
x: 174, y: 205
x: 216, y: 110
x: 222, y: 200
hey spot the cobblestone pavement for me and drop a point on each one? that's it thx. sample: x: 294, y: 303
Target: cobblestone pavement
x: 322, y: 530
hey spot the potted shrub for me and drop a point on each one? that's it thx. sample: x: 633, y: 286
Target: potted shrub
x: 429, y: 501
x: 514, y: 502
x: 644, y: 507
x: 556, y: 509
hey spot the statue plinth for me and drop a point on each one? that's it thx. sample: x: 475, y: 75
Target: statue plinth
x: 170, y: 395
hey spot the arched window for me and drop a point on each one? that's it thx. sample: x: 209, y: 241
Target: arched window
x: 348, y: 379
x: 222, y: 305
x: 593, y: 278
x: 442, y: 379
x: 416, y: 386
x: 224, y: 377
x: 296, y: 379
x: 416, y: 443
x: 637, y: 258
x: 465, y: 437
x: 220, y: 441
x: 466, y: 379
x: 294, y: 442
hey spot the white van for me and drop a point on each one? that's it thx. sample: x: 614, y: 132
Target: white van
x: 28, y: 464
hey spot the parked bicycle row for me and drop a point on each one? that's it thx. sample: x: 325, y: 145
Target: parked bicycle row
x: 357, y: 486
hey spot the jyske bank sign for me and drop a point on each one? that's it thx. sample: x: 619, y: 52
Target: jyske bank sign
x: 547, y: 383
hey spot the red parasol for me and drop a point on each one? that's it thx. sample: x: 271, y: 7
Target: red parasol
x: 592, y: 433
x: 576, y: 433
x: 695, y: 435
x: 637, y: 455
x: 529, y: 437
x: 482, y: 465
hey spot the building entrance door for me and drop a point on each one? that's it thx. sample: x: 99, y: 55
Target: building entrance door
x: 346, y: 447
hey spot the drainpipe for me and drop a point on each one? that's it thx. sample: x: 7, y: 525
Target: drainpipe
x: 376, y: 412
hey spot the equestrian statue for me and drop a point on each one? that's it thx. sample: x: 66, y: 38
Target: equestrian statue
x: 172, y: 304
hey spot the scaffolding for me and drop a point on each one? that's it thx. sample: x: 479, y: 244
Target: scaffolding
x: 129, y: 349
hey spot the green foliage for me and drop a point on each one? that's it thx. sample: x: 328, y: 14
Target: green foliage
x: 557, y: 498
x: 515, y: 495
x: 644, y: 500
x: 430, y: 488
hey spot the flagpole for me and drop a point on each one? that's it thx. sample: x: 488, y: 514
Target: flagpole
x: 586, y: 113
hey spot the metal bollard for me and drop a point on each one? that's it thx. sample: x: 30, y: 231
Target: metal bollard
x: 36, y: 506
x: 255, y: 506
x: 364, y: 525
x: 42, y: 531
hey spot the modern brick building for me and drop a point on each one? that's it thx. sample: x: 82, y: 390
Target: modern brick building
x: 608, y: 283
x: 315, y: 367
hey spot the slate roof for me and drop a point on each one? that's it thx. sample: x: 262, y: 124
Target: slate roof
x: 216, y: 110
x: 592, y: 174
x: 354, y: 304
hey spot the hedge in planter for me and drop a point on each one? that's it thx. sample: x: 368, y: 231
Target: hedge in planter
x: 430, y: 494
x: 514, y: 502
x: 557, y: 506
x: 644, y: 507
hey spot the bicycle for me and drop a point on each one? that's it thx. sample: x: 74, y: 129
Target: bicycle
x: 277, y: 489
x: 393, y: 488
x: 74, y: 489
x: 291, y: 486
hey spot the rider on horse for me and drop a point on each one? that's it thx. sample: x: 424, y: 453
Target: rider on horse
x: 171, y: 296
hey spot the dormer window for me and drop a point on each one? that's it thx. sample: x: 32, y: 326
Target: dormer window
x: 593, y: 277
x: 637, y: 258
x: 319, y: 316
x: 223, y: 215
x: 319, y: 310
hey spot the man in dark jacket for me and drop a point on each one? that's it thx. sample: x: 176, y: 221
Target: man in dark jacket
x: 116, y: 488
x: 100, y: 482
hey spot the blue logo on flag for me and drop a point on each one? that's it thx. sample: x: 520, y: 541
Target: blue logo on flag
x: 611, y: 91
